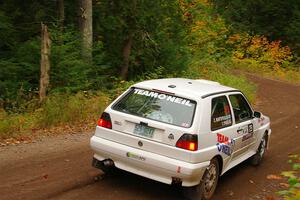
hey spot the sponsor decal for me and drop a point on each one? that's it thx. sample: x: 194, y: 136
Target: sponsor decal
x: 118, y: 123
x: 242, y: 130
x: 166, y: 97
x: 134, y: 156
x: 225, y: 120
x: 224, y: 148
x: 246, y: 131
x: 247, y: 136
x: 250, y: 128
x: 225, y: 145
x: 222, y: 138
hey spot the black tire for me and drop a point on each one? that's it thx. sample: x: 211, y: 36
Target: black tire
x: 256, y: 159
x: 208, y: 184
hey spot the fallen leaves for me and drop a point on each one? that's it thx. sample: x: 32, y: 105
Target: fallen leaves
x: 289, y: 174
x: 230, y: 193
x: 15, y: 141
x: 274, y: 177
x: 284, y: 185
x: 45, y: 176
x: 269, y: 198
x: 36, y: 134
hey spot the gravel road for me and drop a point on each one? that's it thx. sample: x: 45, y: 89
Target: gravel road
x: 59, y: 167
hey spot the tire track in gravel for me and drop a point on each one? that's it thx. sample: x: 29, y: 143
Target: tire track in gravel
x: 60, y: 167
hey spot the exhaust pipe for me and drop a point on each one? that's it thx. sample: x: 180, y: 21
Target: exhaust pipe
x: 176, y: 181
x: 108, y: 163
x: 105, y: 165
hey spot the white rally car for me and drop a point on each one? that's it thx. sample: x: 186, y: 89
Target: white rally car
x: 180, y: 131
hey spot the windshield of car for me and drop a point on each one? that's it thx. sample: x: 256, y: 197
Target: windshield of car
x: 158, y: 106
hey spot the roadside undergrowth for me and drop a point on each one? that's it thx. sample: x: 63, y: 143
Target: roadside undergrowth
x: 59, y: 113
x: 292, y: 190
x: 75, y: 113
x: 256, y: 54
x: 217, y: 71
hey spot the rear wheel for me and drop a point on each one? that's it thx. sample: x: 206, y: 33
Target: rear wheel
x: 257, y: 158
x: 208, y: 184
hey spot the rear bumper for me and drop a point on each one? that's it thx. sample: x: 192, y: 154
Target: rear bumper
x: 147, y: 164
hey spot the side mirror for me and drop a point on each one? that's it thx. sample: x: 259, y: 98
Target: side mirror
x: 257, y: 114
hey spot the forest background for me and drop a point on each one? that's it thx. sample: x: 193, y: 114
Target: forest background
x: 96, y: 49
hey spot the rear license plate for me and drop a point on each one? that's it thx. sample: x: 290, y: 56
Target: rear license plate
x: 143, y: 130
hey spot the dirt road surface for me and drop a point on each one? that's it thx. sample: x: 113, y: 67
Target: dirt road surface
x: 60, y: 167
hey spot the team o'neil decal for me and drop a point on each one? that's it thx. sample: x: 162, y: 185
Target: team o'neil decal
x: 166, y: 97
x: 225, y: 144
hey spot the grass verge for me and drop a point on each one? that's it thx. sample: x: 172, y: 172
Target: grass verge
x: 288, y: 73
x: 77, y: 112
x: 292, y: 190
x: 218, y: 71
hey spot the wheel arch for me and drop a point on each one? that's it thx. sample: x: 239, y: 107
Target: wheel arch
x: 220, y: 161
x: 266, y: 134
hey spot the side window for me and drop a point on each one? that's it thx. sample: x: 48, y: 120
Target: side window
x: 220, y: 113
x: 241, y: 108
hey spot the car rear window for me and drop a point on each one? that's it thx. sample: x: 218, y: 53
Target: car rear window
x: 158, y: 106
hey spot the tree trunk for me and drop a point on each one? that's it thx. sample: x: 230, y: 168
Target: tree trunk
x: 45, y: 62
x: 126, y: 54
x: 61, y: 14
x: 86, y: 28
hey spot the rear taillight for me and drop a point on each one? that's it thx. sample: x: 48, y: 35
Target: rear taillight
x: 105, y: 121
x: 188, y: 142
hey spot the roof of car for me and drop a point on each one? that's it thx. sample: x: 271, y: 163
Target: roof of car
x: 187, y: 87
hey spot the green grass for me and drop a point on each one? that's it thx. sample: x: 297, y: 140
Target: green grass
x: 83, y: 108
x: 58, y: 110
x: 218, y: 71
x: 239, y: 82
x: 288, y: 73
x: 292, y: 191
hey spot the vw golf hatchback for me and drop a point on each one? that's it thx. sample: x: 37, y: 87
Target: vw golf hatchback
x: 180, y: 131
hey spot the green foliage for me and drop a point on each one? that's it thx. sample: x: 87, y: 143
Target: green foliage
x: 157, y: 30
x: 12, y: 125
x: 69, y: 72
x: 207, y: 31
x: 278, y: 20
x: 293, y: 180
x: 71, y: 109
x: 182, y: 38
x: 257, y: 54
x: 19, y: 75
x: 6, y: 32
x: 81, y: 109
x: 220, y: 72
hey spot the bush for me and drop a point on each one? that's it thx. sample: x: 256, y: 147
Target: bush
x: 81, y: 109
x: 220, y: 72
x: 71, y: 109
x: 12, y: 125
x: 293, y: 191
